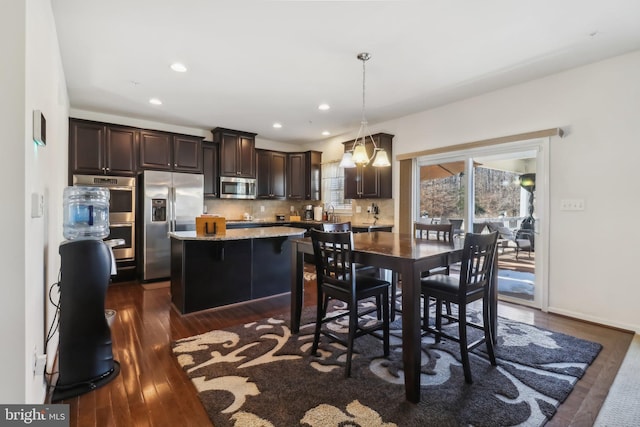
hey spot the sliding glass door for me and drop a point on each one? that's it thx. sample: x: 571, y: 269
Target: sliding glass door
x: 494, y: 189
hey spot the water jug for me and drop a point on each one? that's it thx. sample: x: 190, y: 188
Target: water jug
x: 85, y: 213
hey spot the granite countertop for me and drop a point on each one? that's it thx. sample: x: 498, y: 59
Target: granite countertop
x: 305, y: 222
x: 242, y: 233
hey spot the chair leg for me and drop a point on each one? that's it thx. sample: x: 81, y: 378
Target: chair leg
x: 488, y: 335
x: 385, y: 320
x: 320, y: 313
x: 425, y: 312
x: 464, y: 351
x: 448, y: 307
x: 438, y: 319
x: 394, y: 289
x: 353, y: 325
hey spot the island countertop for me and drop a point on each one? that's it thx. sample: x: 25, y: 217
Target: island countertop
x: 241, y: 234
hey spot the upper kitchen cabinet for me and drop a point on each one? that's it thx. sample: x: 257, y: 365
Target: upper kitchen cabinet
x: 271, y: 171
x: 237, y: 152
x: 101, y: 149
x: 210, y: 169
x: 170, y: 152
x: 369, y: 182
x: 187, y: 153
x: 303, y: 175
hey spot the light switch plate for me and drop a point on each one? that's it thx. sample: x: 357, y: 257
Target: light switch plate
x: 572, y: 204
x: 37, y: 205
x: 358, y: 209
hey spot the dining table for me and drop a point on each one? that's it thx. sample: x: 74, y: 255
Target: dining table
x: 401, y: 253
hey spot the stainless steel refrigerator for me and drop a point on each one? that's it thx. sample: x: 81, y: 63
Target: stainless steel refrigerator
x: 171, y: 201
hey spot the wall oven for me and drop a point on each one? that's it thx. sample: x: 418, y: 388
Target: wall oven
x: 237, y: 188
x: 122, y: 210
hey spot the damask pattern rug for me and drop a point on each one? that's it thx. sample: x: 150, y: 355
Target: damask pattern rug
x: 260, y: 374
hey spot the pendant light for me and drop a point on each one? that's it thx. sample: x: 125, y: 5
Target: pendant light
x: 358, y: 156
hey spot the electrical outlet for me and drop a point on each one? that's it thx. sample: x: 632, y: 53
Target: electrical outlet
x: 40, y: 365
x: 572, y: 204
x: 358, y: 209
x: 368, y: 209
x: 261, y: 208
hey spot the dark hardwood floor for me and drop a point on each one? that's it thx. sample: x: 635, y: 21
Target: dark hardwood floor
x: 152, y: 390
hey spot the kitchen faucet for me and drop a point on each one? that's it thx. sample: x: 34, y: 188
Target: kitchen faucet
x: 331, y: 216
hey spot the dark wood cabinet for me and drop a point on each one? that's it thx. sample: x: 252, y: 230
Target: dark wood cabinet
x: 97, y: 148
x: 369, y: 182
x: 187, y: 153
x: 210, y: 169
x: 166, y: 151
x: 237, y: 152
x: 303, y: 175
x: 271, y: 167
x: 155, y: 150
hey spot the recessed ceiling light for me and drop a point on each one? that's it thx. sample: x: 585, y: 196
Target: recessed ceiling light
x: 178, y: 67
x: 277, y: 125
x: 326, y: 133
x: 155, y: 101
x: 323, y: 107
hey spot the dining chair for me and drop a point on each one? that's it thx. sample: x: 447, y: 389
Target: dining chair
x: 425, y: 231
x: 436, y: 232
x: 337, y: 279
x: 346, y: 226
x: 360, y: 268
x: 474, y: 284
x: 521, y: 240
x: 336, y: 226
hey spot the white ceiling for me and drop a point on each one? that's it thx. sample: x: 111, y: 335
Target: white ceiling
x: 253, y: 63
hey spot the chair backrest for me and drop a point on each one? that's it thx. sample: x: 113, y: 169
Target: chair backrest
x: 503, y: 232
x: 440, y: 232
x: 336, y: 226
x: 457, y: 223
x: 333, y: 253
x: 476, y: 267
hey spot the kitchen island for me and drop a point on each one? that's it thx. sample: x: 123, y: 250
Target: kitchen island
x: 240, y: 265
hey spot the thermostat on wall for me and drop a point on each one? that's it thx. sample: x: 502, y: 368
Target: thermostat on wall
x: 39, y: 128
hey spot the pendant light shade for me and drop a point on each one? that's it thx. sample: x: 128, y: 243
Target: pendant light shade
x: 381, y: 159
x: 347, y: 160
x: 358, y: 156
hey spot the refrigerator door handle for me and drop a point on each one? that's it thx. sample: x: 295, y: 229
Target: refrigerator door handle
x: 172, y: 203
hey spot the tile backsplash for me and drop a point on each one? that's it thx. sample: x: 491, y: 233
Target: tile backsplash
x: 268, y: 209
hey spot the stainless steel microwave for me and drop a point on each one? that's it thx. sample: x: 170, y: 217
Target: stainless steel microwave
x: 237, y: 188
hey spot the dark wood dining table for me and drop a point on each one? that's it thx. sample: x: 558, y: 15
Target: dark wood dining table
x: 401, y: 253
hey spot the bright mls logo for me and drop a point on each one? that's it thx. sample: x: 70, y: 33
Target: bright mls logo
x: 36, y: 415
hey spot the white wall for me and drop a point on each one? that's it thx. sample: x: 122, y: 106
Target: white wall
x: 591, y: 252
x: 29, y: 248
x: 12, y: 215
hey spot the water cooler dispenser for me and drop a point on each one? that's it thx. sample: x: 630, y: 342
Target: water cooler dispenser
x: 85, y: 356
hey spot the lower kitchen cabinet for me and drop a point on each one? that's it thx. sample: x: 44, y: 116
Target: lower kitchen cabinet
x: 208, y: 273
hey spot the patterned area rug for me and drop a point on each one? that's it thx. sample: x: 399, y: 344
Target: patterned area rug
x: 260, y: 374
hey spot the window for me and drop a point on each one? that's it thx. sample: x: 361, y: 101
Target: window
x: 333, y: 187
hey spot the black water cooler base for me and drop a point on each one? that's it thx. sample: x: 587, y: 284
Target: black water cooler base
x: 65, y: 392
x: 85, y: 356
